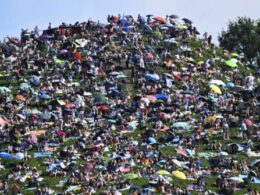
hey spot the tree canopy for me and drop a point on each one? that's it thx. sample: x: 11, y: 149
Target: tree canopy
x: 242, y: 36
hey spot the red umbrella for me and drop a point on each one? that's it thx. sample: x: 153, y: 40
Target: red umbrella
x: 70, y: 105
x: 61, y: 133
x: 159, y: 19
x: 103, y: 107
x: 248, y: 122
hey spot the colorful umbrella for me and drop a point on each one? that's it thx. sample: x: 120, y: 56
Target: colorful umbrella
x: 20, y: 98
x: 180, y: 125
x: 217, y: 82
x: 70, y: 105
x: 179, y: 175
x: 131, y: 176
x: 159, y: 19
x: 231, y: 63
x: 215, y: 89
x: 163, y: 172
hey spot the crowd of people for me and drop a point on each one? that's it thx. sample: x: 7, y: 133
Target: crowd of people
x: 133, y: 105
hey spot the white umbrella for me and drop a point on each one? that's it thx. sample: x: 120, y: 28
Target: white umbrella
x: 217, y: 82
x: 237, y: 179
x: 180, y: 125
x: 4, y: 90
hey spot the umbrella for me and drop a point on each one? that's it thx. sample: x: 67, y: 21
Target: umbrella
x: 231, y: 63
x: 152, y: 140
x: 254, y: 163
x: 200, y: 62
x: 21, y: 116
x: 180, y: 125
x: 4, y: 90
x: 34, y: 112
x: 176, y: 162
x: 122, y: 21
x: 103, y: 107
x: 248, y: 122
x: 171, y: 40
x: 70, y: 105
x: 230, y: 84
x: 159, y: 19
x: 126, y: 28
x: 216, y: 89
x: 173, y: 16
x: 217, y: 82
x: 179, y: 175
x: 163, y: 172
x: 237, y: 88
x: 161, y: 97
x: 181, y: 151
x: 147, y: 27
x: 131, y: 176
x: 44, y: 96
x: 234, y: 55
x: 236, y: 179
x: 181, y: 27
x: 151, y: 98
x: 20, y: 98
x: 3, y: 121
x: 151, y: 77
x: 187, y: 20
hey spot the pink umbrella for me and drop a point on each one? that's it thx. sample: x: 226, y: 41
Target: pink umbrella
x: 124, y: 169
x: 152, y: 98
x: 182, y: 151
x: 3, y: 122
x: 70, y: 105
x: 248, y: 122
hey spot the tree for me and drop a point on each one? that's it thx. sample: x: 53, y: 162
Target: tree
x: 242, y: 36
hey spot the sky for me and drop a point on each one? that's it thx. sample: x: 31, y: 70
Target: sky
x: 209, y: 16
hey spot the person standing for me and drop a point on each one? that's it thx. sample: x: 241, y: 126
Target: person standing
x: 225, y: 131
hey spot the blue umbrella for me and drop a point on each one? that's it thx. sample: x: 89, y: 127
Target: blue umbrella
x: 126, y: 29
x: 148, y: 28
x: 141, y: 19
x: 230, y: 84
x: 44, y: 96
x: 122, y: 21
x: 161, y: 97
x: 150, y: 77
x: 5, y: 155
x: 152, y: 140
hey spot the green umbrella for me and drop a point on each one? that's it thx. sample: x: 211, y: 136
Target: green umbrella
x: 181, y: 27
x: 231, y: 63
x: 163, y: 172
x: 131, y: 176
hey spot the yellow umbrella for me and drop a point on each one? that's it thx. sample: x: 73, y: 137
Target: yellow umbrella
x: 234, y: 55
x: 20, y: 98
x: 200, y: 62
x: 216, y: 89
x: 179, y: 175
